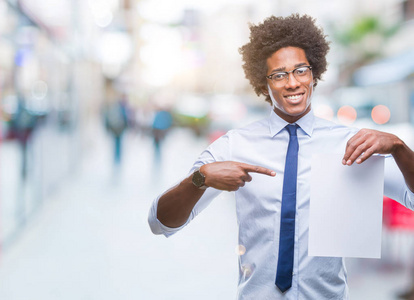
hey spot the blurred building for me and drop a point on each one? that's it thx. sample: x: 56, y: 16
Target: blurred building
x: 376, y: 67
x: 51, y: 85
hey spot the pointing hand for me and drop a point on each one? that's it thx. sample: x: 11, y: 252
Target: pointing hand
x: 230, y: 175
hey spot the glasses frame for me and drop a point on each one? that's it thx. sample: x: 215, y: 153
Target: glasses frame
x: 287, y: 75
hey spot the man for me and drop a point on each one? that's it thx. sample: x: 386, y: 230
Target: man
x: 267, y: 163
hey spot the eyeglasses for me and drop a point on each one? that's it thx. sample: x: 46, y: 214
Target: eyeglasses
x: 301, y: 74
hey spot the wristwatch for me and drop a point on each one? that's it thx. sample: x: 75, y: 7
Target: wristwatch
x: 198, y: 179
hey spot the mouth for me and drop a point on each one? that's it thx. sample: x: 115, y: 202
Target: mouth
x: 294, y: 98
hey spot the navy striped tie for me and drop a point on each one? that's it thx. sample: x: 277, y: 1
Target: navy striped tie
x: 287, y: 220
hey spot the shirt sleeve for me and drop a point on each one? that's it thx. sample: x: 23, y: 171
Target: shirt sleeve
x: 395, y: 186
x: 217, y: 151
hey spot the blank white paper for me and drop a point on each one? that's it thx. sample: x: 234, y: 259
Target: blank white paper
x: 345, y: 214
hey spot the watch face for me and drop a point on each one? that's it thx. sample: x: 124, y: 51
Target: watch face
x: 198, y: 179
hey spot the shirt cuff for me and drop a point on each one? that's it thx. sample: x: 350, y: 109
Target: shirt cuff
x: 169, y: 231
x: 410, y: 194
x: 156, y: 226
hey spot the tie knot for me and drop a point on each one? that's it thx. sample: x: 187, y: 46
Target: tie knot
x: 291, y: 128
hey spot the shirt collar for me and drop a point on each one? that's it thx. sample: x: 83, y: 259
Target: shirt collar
x: 276, y: 123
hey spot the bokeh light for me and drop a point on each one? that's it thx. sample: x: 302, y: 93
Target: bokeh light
x: 240, y: 250
x: 161, y: 66
x: 380, y: 114
x: 247, y: 270
x: 347, y: 115
x: 39, y: 89
x: 324, y: 111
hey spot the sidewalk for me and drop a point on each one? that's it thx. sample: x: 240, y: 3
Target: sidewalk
x: 92, y: 240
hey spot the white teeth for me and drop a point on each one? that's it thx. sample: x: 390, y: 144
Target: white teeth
x: 294, y: 97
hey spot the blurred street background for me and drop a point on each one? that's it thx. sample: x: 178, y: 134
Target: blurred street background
x: 107, y: 103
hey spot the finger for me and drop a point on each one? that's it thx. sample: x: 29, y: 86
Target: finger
x: 247, y: 178
x: 364, y: 156
x: 352, y: 146
x: 359, y: 150
x: 233, y: 188
x: 257, y: 169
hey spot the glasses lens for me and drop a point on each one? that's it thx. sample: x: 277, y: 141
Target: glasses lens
x: 302, y: 74
x: 279, y: 79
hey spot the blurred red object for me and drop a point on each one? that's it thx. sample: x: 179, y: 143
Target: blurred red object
x: 215, y: 135
x: 397, y: 216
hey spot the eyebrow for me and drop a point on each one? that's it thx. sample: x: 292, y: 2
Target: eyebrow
x: 282, y: 69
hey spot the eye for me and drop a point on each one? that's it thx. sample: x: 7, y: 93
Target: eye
x: 301, y: 71
x: 279, y: 76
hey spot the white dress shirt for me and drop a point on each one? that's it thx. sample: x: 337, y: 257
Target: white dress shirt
x: 258, y: 204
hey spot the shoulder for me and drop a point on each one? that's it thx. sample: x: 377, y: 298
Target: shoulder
x: 330, y: 137
x: 256, y: 127
x: 237, y: 136
x: 323, y: 126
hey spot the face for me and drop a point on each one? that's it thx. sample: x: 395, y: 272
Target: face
x: 291, y: 99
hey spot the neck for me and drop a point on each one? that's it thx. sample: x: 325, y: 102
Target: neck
x: 289, y: 118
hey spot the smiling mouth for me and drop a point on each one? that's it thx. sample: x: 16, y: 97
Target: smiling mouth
x: 294, y: 97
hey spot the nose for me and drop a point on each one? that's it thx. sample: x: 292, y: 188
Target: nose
x: 292, y: 82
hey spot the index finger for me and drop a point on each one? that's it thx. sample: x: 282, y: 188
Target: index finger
x: 257, y: 169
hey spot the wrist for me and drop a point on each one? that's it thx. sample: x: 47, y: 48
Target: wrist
x: 398, y: 147
x: 204, y: 171
x: 198, y: 179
